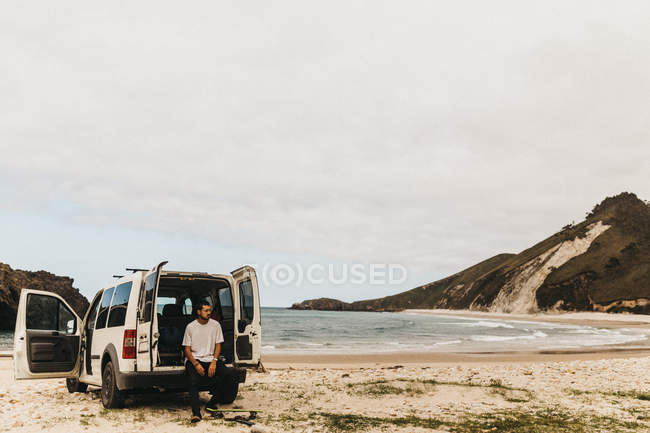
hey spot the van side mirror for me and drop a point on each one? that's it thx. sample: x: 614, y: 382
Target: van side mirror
x: 241, y: 325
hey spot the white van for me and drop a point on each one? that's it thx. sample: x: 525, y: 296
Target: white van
x: 130, y: 337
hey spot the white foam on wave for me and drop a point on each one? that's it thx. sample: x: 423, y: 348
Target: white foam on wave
x: 482, y: 324
x: 493, y: 338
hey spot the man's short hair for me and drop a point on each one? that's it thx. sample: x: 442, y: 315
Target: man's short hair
x: 200, y: 305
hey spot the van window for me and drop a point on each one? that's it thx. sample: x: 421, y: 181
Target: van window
x: 187, y: 307
x: 147, y: 300
x: 246, y: 300
x: 90, y: 323
x: 162, y: 301
x: 117, y: 316
x: 48, y: 313
x: 103, y: 308
x: 41, y: 312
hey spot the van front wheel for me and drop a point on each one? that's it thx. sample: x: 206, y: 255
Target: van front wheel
x: 111, y: 396
x: 74, y: 385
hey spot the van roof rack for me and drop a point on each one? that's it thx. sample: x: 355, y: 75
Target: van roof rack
x: 118, y: 276
x: 136, y: 269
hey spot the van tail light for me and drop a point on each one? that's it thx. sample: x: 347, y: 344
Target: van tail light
x: 128, y: 348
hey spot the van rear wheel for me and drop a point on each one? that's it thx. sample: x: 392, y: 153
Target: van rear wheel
x: 111, y: 396
x: 228, y: 391
x: 74, y: 385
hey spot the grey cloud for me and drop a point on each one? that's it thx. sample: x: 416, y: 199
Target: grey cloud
x: 420, y: 133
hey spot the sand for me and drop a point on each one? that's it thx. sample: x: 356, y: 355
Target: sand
x: 598, y: 390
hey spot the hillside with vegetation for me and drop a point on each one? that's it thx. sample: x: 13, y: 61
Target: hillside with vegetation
x: 12, y: 281
x: 600, y: 264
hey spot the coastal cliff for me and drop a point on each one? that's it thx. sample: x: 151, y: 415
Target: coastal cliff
x: 12, y: 281
x: 600, y: 264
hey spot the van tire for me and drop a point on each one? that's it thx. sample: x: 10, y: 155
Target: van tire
x: 228, y: 391
x: 111, y: 396
x: 74, y: 385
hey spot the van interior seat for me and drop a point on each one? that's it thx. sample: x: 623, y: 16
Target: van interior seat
x: 171, y: 326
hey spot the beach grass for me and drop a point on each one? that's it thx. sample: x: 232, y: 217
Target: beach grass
x: 541, y: 421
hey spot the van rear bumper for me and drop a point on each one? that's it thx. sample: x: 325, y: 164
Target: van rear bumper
x: 169, y: 380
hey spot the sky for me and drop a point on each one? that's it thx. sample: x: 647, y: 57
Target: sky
x: 422, y: 136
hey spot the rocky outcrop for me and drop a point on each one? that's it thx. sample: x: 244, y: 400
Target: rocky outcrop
x: 600, y: 264
x: 12, y: 281
x: 328, y: 304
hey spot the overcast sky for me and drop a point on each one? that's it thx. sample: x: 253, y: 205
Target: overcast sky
x: 422, y: 133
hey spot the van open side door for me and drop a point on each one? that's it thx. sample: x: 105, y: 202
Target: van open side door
x: 248, y: 327
x: 46, y: 338
x: 147, y: 328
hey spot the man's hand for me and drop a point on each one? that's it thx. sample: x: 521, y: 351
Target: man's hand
x: 199, y: 369
x: 213, y: 368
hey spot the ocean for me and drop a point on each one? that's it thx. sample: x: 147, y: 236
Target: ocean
x: 295, y: 331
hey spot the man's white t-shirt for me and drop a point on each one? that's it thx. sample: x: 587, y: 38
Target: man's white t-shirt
x: 202, y: 339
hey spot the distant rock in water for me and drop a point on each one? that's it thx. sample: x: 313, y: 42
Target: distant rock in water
x: 600, y: 264
x: 12, y: 281
x: 328, y: 304
x: 321, y: 304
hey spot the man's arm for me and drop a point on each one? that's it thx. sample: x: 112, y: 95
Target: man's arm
x: 213, y: 364
x: 197, y: 366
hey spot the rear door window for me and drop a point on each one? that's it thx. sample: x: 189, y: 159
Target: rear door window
x: 246, y: 300
x: 225, y: 299
x: 103, y: 308
x: 120, y: 303
x: 147, y: 300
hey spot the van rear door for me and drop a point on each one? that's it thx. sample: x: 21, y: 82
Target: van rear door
x: 46, y: 338
x: 248, y: 328
x: 147, y: 327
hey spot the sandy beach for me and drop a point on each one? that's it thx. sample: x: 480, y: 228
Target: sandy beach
x: 600, y: 389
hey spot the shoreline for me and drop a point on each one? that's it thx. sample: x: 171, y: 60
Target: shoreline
x: 584, y: 318
x: 414, y: 359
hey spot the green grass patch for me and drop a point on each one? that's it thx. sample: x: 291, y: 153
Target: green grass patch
x: 380, y: 388
x: 85, y: 419
x: 414, y: 387
x: 350, y: 422
x: 639, y: 395
x: 542, y: 421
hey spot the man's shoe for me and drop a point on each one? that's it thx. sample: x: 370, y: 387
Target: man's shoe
x: 195, y: 419
x: 211, y: 406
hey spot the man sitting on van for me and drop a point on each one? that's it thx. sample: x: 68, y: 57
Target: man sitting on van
x: 202, y: 346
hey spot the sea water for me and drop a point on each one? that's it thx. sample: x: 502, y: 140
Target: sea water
x: 295, y: 331
x: 299, y: 331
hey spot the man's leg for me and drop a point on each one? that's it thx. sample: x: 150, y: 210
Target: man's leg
x: 216, y: 382
x: 193, y: 380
